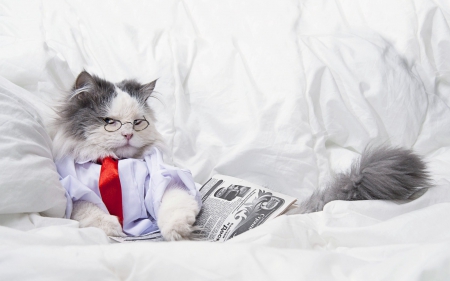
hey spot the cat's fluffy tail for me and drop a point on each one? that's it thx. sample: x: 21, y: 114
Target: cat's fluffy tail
x: 381, y: 173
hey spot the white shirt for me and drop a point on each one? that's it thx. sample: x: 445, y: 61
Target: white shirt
x: 143, y: 183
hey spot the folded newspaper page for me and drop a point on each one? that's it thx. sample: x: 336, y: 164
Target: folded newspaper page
x: 149, y: 237
x: 231, y: 206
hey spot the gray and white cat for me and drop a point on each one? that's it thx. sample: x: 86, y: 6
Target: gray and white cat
x: 381, y: 173
x: 80, y: 134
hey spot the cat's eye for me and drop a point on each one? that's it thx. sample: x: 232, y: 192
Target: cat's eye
x: 140, y: 124
x: 113, y: 125
x: 109, y: 120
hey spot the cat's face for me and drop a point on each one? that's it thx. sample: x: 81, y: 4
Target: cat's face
x: 101, y: 119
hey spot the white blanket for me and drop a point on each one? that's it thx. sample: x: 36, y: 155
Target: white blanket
x: 279, y: 93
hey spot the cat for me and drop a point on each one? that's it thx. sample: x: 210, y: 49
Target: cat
x: 92, y: 106
x: 381, y: 173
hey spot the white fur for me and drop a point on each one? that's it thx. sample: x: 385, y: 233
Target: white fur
x: 177, y: 214
x: 100, y: 143
x: 124, y: 107
x: 89, y: 215
x: 178, y: 209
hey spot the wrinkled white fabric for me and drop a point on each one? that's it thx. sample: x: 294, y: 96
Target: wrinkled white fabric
x: 143, y: 183
x: 279, y: 93
x: 28, y: 177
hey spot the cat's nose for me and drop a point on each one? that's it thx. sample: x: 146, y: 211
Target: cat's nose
x: 128, y: 136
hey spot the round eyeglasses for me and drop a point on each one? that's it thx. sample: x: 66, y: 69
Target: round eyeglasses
x: 113, y: 125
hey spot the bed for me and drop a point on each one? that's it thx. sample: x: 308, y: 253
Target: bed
x: 280, y: 93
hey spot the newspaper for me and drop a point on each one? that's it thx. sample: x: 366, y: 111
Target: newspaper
x: 231, y: 206
x: 154, y: 236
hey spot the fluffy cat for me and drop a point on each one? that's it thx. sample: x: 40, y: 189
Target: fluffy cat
x: 81, y: 135
x: 382, y: 173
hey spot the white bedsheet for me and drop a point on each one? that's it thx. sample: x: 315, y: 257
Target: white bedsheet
x: 280, y: 93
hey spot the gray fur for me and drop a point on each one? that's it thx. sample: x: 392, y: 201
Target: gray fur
x: 81, y: 109
x: 381, y: 173
x: 137, y: 90
x: 90, y: 98
x: 79, y: 130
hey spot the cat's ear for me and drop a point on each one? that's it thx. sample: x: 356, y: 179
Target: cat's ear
x: 147, y: 89
x: 85, y: 83
x: 84, y: 80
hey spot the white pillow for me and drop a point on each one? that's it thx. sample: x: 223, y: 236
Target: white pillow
x: 29, y: 181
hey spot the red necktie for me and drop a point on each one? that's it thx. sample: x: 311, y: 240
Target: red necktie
x: 110, y: 189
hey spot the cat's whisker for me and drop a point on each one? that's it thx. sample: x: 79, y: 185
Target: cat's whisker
x: 76, y: 92
x: 152, y: 96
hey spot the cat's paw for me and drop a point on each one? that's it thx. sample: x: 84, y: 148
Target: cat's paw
x: 177, y: 215
x: 89, y: 215
x: 109, y: 224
